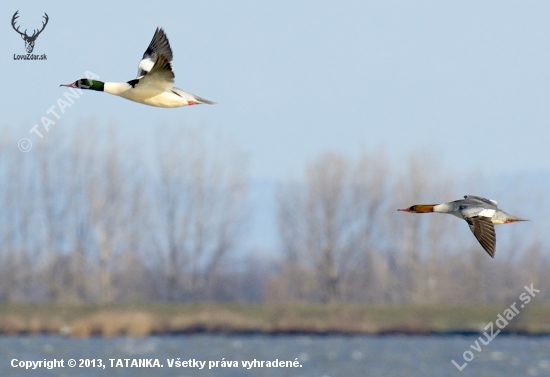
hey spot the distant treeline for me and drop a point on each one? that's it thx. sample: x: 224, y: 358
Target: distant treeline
x: 87, y: 217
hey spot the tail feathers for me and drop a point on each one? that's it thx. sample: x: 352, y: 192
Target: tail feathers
x: 202, y: 100
x: 515, y: 218
x: 511, y: 218
x: 192, y: 97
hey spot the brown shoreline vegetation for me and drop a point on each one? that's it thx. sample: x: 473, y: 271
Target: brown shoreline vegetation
x: 138, y: 320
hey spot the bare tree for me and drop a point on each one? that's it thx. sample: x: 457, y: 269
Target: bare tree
x: 200, y: 201
x: 324, y: 225
x: 84, y: 218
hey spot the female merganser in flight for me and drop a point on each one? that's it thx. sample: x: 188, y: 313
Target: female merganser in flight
x: 479, y: 213
x: 154, y: 84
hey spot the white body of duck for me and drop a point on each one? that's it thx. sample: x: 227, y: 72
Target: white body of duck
x: 481, y: 215
x: 153, y: 96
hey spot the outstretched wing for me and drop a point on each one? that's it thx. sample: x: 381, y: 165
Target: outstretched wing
x: 160, y: 76
x: 480, y: 198
x: 159, y: 46
x: 484, y: 231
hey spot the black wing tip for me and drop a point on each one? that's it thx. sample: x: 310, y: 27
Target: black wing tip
x: 159, y: 45
x: 159, y: 30
x: 491, y: 252
x: 489, y: 246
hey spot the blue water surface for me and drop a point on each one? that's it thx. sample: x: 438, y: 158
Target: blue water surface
x: 320, y: 356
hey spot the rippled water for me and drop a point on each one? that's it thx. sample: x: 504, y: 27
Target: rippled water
x: 319, y: 355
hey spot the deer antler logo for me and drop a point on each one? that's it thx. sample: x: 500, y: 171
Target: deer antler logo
x: 29, y: 40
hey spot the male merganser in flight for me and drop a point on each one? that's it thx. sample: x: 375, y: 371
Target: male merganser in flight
x: 479, y: 213
x: 154, y: 84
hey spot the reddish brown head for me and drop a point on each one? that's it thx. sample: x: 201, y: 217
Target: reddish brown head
x: 419, y: 208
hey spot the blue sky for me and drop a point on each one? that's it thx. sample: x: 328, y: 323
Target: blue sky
x: 469, y: 81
